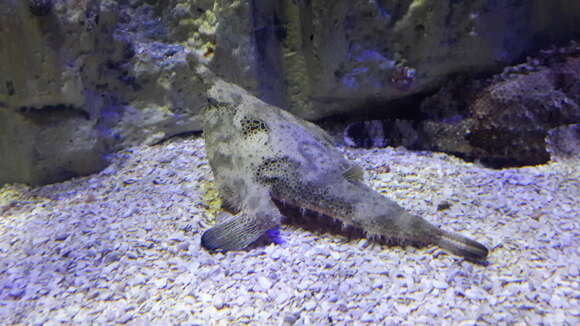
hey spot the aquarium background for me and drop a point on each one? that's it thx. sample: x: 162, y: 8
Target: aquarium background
x: 464, y: 112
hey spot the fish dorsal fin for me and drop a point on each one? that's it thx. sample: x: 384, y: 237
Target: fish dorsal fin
x: 354, y: 174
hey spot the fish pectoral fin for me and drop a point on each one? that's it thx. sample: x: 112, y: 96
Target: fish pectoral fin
x: 354, y: 174
x: 239, y: 231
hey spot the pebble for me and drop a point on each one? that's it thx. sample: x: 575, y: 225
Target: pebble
x: 310, y: 305
x: 61, y: 236
x: 335, y: 255
x: 265, y: 283
x: 291, y: 318
x: 573, y: 270
x: 160, y: 283
x: 439, y: 285
x: 282, y: 297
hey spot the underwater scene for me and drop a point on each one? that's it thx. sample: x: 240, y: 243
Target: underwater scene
x: 289, y: 162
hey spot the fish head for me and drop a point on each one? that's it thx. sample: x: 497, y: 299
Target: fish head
x: 217, y: 113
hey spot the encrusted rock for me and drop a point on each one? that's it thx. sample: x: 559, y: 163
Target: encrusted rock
x: 504, y: 121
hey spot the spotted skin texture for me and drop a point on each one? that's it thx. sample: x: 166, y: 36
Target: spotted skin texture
x: 260, y: 154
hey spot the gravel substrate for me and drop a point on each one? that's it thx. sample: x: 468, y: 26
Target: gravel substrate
x: 122, y: 247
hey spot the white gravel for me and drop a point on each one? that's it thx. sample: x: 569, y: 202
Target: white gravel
x: 122, y: 247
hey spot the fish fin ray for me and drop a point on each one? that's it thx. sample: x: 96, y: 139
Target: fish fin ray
x: 354, y: 174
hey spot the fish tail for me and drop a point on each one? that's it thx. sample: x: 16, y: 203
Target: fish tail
x: 462, y: 246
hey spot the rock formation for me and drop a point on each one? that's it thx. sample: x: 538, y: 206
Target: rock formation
x: 80, y: 79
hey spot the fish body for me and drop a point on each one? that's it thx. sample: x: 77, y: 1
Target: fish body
x: 260, y: 154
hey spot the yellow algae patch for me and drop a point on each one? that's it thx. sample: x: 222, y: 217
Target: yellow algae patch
x: 12, y: 193
x: 212, y: 200
x: 13, y: 196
